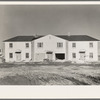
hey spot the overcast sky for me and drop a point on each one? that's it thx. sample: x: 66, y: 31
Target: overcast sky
x: 49, y: 19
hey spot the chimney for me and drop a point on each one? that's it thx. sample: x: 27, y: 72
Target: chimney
x: 35, y: 35
x: 68, y: 33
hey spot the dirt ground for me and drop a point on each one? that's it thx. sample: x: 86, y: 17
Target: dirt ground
x: 50, y: 74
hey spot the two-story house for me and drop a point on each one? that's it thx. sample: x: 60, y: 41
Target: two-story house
x: 52, y: 47
x: 19, y: 49
x: 83, y: 48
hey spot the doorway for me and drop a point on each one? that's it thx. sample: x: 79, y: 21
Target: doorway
x: 60, y: 56
x: 82, y: 55
x: 49, y: 55
x: 18, y: 57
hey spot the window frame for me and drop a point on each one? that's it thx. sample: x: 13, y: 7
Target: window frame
x: 10, y: 55
x: 91, y: 44
x: 10, y: 45
x: 59, y: 44
x: 73, y: 55
x: 73, y: 45
x: 27, y: 56
x: 40, y: 44
x: 91, y: 55
x: 27, y: 46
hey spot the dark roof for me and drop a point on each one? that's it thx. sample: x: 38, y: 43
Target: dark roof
x: 77, y: 38
x: 22, y: 38
x: 66, y: 37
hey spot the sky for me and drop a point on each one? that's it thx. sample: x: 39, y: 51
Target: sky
x: 49, y: 19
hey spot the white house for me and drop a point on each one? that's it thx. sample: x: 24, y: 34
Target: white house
x: 51, y: 47
x: 18, y: 49
x: 83, y: 48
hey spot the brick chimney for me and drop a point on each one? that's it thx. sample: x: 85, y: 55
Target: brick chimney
x: 69, y: 34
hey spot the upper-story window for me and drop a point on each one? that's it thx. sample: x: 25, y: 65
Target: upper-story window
x: 40, y: 45
x: 91, y: 45
x: 74, y: 45
x: 10, y: 45
x: 59, y: 44
x: 27, y: 45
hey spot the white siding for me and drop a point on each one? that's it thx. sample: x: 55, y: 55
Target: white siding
x: 17, y: 46
x: 83, y: 45
x: 49, y: 44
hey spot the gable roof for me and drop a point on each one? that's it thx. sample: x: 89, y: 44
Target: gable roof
x: 22, y: 38
x: 77, y: 38
x: 66, y: 37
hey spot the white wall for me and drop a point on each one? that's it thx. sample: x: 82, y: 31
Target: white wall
x: 99, y: 50
x: 49, y: 44
x: 32, y: 50
x: 17, y: 46
x: 83, y: 45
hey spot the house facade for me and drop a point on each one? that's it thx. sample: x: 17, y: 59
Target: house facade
x: 51, y: 47
x: 83, y: 51
x: 18, y: 49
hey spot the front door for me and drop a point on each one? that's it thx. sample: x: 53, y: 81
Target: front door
x: 49, y: 56
x: 82, y: 56
x: 18, y: 56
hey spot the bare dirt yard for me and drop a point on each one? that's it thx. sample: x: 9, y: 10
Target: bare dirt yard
x: 49, y: 74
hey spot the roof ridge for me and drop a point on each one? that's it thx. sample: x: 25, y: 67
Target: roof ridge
x: 66, y: 37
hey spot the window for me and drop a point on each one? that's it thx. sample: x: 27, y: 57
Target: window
x: 73, y: 45
x: 91, y: 45
x: 59, y: 44
x: 40, y: 45
x: 73, y: 55
x: 27, y: 45
x: 91, y: 55
x: 27, y: 55
x: 10, y: 45
x: 10, y: 55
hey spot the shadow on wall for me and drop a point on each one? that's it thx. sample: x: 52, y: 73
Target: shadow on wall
x: 99, y: 51
x: 98, y: 57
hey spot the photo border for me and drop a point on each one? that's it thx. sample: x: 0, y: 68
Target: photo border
x: 55, y: 92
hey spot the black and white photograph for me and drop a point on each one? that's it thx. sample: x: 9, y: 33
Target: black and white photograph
x: 50, y: 45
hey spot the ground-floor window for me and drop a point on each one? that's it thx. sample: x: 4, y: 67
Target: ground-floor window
x: 60, y: 56
x: 73, y: 55
x: 27, y: 55
x: 91, y: 55
x: 10, y: 55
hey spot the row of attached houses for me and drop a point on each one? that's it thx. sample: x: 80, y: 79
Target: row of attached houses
x: 51, y: 47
